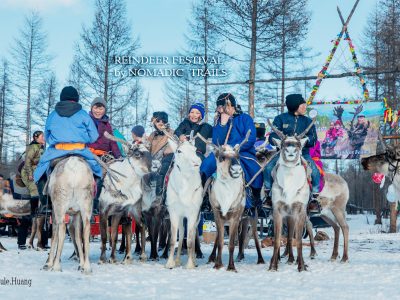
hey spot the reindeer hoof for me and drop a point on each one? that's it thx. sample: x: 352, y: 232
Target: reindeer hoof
x: 218, y: 266
x: 164, y: 256
x: 273, y: 268
x: 170, y: 265
x: 211, y: 259
x: 231, y: 269
x: 143, y: 257
x: 126, y: 261
x: 290, y: 261
x: 200, y: 255
x: 190, y: 266
x: 260, y: 261
x: 87, y: 271
x: 46, y: 267
x: 302, y: 268
x: 333, y: 258
x: 56, y: 269
x: 344, y: 260
x: 112, y: 261
x: 240, y: 257
x: 313, y: 255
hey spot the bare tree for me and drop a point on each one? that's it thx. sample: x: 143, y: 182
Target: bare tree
x: 249, y: 24
x: 6, y: 104
x: 180, y: 93
x: 204, y: 41
x: 291, y: 28
x: 30, y: 63
x: 46, y: 100
x: 94, y: 66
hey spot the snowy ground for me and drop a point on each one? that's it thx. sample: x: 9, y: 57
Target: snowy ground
x: 372, y: 273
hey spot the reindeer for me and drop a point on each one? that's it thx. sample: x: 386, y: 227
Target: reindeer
x: 71, y: 188
x: 290, y: 194
x: 386, y: 163
x: 122, y: 195
x: 19, y: 208
x: 184, y: 198
x: 9, y: 205
x: 227, y: 198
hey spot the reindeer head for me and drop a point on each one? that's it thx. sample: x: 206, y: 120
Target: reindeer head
x: 228, y: 164
x: 290, y: 146
x: 138, y: 153
x: 185, y: 152
x: 380, y: 163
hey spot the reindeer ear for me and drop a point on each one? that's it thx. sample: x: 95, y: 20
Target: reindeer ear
x: 303, y: 141
x: 277, y: 142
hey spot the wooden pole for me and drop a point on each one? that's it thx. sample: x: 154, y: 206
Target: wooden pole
x: 393, y: 217
x: 301, y: 78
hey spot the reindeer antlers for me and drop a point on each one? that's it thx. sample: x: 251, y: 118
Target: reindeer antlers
x: 276, y: 130
x: 115, y: 139
x: 245, y: 139
x: 300, y: 136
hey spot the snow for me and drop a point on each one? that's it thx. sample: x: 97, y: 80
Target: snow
x: 372, y: 273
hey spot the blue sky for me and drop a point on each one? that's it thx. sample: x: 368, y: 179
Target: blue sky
x: 160, y: 25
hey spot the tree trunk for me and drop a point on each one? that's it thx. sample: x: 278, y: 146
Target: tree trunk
x: 393, y: 217
x: 253, y: 55
x: 377, y: 204
x: 28, y: 100
x: 107, y: 54
x: 3, y: 108
x: 205, y: 65
x: 283, y: 62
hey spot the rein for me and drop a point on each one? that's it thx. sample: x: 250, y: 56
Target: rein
x: 395, y: 168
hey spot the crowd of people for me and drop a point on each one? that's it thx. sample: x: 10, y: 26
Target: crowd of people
x: 70, y: 130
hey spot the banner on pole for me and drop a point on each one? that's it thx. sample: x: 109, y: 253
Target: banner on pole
x: 348, y: 131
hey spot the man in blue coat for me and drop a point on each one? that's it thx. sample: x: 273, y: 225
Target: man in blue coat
x: 68, y: 130
x: 290, y: 123
x: 229, y: 113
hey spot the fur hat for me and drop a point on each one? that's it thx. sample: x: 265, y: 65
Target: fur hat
x: 161, y: 115
x: 69, y: 93
x: 293, y: 102
x: 138, y: 130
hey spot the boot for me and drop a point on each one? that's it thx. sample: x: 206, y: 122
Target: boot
x: 313, y: 205
x: 34, y: 205
x: 205, y: 205
x: 45, y: 202
x: 267, y: 203
x: 96, y: 202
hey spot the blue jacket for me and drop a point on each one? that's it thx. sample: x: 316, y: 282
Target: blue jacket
x: 78, y: 128
x: 241, y: 124
x: 290, y: 124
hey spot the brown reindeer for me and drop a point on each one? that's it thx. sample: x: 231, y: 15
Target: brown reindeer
x: 227, y: 198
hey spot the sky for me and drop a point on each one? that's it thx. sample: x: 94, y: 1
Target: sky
x: 160, y: 26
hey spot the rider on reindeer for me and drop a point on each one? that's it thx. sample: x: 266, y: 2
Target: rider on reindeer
x: 68, y: 131
x: 290, y: 123
x: 233, y: 124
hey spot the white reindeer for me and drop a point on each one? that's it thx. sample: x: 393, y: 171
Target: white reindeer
x: 71, y: 187
x: 184, y: 198
x: 290, y: 194
x: 123, y: 194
